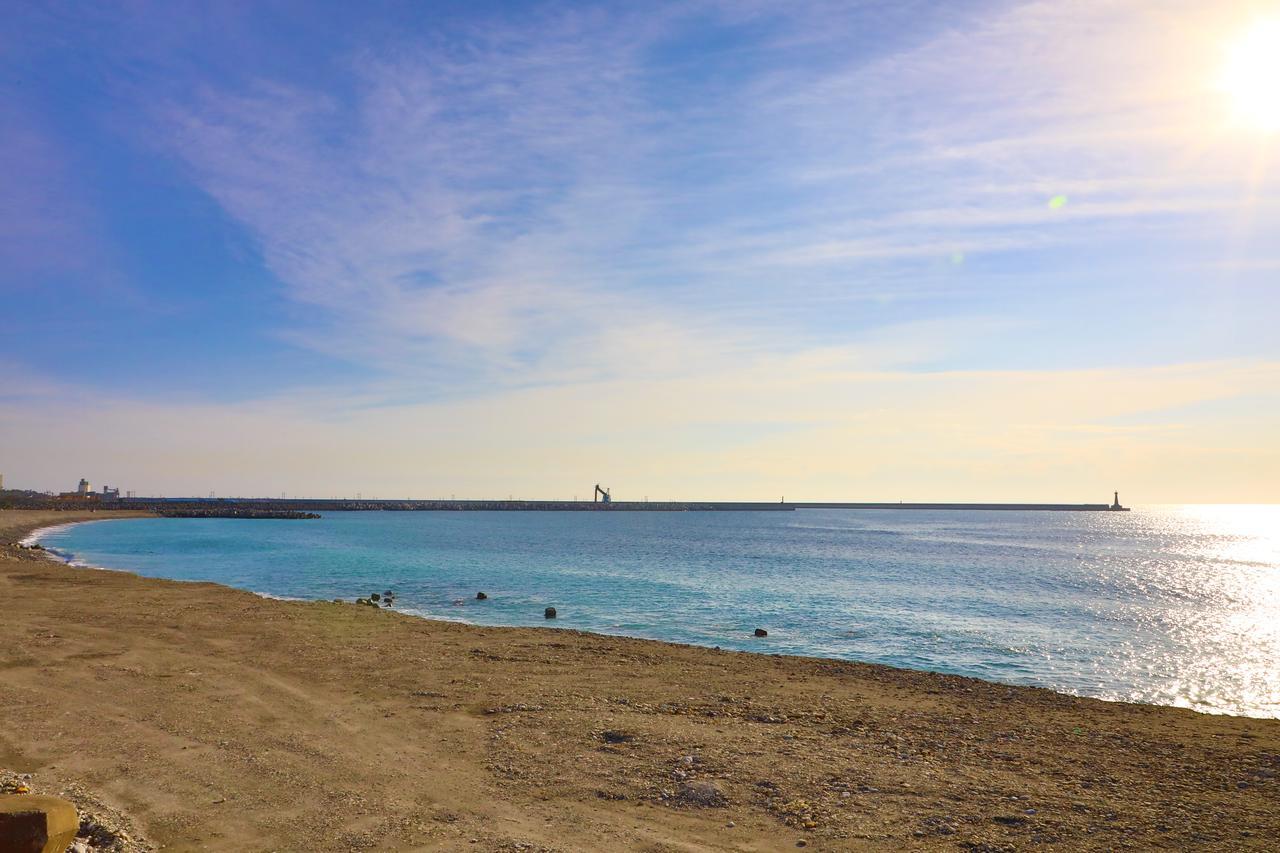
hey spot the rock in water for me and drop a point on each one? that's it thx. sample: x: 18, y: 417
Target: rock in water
x: 480, y: 596
x: 374, y: 596
x: 549, y: 613
x: 760, y: 632
x: 36, y: 823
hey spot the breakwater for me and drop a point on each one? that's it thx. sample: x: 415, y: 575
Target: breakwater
x: 969, y: 506
x: 236, y: 512
x: 280, y: 508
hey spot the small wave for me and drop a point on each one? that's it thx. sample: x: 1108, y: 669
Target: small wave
x: 873, y: 531
x: 34, y: 537
x: 441, y: 617
x: 274, y: 597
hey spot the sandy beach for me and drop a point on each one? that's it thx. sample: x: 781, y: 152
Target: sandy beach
x: 213, y: 719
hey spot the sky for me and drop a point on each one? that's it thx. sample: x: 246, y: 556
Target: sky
x: 727, y: 250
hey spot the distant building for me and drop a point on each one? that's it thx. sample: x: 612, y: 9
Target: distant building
x: 83, y: 492
x: 110, y: 494
x: 1, y: 482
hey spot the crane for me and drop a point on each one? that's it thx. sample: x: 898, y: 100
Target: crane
x: 601, y: 494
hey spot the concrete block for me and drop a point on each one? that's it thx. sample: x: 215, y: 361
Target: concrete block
x: 34, y: 823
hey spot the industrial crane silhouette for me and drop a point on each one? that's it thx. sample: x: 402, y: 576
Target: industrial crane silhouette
x: 601, y: 494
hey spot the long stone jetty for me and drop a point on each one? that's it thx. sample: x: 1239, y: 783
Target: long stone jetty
x: 301, y: 508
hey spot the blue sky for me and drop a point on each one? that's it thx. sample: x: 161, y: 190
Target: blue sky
x: 712, y: 249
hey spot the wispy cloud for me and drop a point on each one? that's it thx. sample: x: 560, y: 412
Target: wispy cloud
x: 625, y: 230
x: 512, y: 206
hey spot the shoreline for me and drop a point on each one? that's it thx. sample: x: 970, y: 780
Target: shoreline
x: 219, y: 719
x: 65, y: 558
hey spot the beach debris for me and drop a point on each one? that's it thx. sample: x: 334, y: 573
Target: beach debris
x: 701, y: 792
x: 615, y: 736
x: 549, y: 613
x: 16, y: 785
x: 760, y: 632
x: 37, y: 822
x: 480, y: 596
x: 1009, y: 820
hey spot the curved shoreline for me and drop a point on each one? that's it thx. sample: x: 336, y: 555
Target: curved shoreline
x: 1116, y: 694
x: 37, y: 534
x: 208, y: 713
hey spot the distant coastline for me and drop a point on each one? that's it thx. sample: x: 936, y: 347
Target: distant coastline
x: 292, y: 508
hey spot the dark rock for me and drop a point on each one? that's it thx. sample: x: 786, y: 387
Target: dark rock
x: 480, y: 596
x: 549, y: 613
x: 701, y: 792
x: 613, y: 736
x: 760, y: 632
x: 374, y: 597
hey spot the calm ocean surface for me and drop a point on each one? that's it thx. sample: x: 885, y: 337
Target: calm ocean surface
x: 1170, y: 605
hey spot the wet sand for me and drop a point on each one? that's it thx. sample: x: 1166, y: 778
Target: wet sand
x: 218, y: 720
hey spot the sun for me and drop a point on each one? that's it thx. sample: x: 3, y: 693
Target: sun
x: 1251, y: 76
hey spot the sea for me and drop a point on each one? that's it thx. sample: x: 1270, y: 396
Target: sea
x: 1171, y: 605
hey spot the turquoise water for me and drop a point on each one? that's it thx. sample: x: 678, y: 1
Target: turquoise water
x: 1177, y: 605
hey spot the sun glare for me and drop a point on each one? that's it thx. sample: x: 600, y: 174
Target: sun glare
x: 1251, y: 76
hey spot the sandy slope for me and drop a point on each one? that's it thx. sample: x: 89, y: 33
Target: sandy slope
x: 222, y: 721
